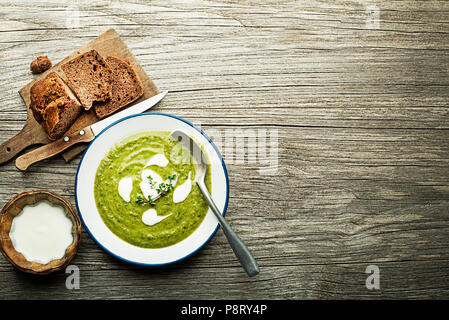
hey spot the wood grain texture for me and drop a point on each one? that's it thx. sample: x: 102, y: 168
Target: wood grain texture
x: 361, y: 115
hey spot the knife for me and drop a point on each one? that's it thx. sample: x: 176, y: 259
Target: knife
x: 86, y: 134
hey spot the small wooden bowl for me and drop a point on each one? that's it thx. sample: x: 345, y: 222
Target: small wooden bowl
x: 13, y: 208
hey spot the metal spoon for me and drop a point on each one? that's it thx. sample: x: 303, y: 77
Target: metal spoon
x: 241, y: 251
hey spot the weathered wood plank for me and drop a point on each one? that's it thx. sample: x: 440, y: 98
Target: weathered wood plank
x: 362, y: 121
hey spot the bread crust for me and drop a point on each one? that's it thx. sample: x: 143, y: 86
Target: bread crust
x: 126, y: 86
x: 54, y: 105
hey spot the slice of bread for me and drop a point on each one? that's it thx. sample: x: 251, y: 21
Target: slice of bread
x: 54, y: 105
x: 90, y: 77
x: 126, y: 87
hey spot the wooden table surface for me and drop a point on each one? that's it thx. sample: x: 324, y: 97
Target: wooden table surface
x: 360, y: 108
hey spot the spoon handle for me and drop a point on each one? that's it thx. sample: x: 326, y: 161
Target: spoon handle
x: 241, y: 251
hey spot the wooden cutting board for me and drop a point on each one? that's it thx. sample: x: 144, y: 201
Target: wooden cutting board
x: 33, y: 133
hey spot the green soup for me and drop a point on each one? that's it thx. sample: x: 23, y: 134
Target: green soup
x: 127, y: 159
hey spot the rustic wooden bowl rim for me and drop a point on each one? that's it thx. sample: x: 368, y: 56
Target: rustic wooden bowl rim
x: 13, y: 208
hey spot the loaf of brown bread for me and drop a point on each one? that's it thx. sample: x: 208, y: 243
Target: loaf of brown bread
x: 90, y: 77
x: 126, y: 87
x: 54, y: 105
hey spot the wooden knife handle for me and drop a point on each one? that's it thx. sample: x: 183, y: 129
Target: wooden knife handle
x: 52, y: 149
x: 30, y: 135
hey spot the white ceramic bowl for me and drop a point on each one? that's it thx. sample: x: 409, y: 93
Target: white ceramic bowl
x: 84, y: 190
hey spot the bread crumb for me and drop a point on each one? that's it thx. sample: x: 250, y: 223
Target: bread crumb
x: 40, y: 64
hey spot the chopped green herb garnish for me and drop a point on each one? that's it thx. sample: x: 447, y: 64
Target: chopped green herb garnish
x: 140, y: 199
x: 151, y: 181
x: 163, y: 189
x: 171, y: 177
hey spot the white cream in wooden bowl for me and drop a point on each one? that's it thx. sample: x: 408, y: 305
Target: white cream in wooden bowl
x: 41, y: 232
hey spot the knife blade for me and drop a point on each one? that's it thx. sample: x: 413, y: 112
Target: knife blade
x: 86, y: 134
x: 97, y: 127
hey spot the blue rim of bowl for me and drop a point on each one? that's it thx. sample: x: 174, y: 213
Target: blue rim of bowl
x: 191, y: 253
